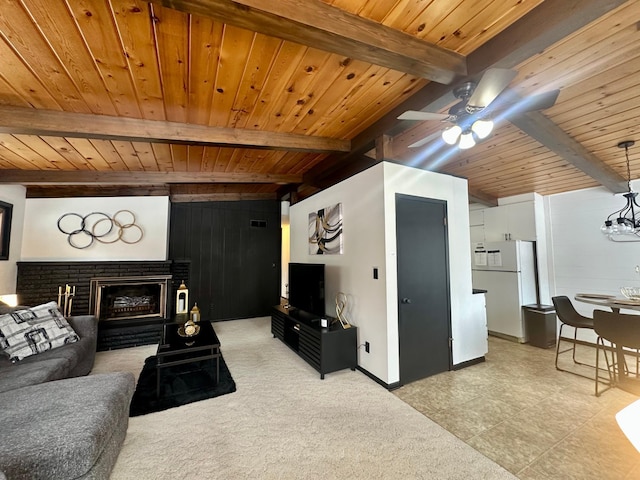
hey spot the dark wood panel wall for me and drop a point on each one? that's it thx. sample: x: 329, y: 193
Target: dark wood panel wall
x: 234, y: 252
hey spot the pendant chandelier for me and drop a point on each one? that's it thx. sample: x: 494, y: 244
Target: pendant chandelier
x: 624, y: 225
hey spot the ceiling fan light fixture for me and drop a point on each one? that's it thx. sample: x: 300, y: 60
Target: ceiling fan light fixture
x: 450, y: 135
x: 466, y: 140
x: 482, y: 128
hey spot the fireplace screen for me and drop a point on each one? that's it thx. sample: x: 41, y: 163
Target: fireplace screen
x: 129, y: 297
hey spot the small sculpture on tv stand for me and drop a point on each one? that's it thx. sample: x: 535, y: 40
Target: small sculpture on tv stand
x: 286, y: 303
x: 341, y: 305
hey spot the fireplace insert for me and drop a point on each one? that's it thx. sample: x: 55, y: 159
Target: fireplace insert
x: 120, y: 298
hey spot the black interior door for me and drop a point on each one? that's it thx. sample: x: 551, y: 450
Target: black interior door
x: 424, y: 324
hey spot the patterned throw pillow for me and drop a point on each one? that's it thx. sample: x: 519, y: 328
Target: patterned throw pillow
x: 34, y: 330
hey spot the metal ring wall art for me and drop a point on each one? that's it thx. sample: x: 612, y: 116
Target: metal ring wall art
x: 83, y: 231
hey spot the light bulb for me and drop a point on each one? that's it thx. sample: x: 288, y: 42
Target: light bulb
x: 482, y: 128
x: 466, y: 140
x: 450, y: 135
x: 623, y: 226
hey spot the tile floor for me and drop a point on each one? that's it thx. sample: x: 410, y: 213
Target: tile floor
x: 535, y: 421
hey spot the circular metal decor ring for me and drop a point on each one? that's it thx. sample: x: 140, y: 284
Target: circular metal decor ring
x: 127, y: 225
x: 77, y: 245
x: 77, y: 230
x: 129, y: 242
x: 100, y: 238
x: 93, y: 227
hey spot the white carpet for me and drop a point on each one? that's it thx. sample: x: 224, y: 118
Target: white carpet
x: 283, y: 422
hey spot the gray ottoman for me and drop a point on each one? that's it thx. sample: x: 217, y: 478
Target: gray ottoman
x: 65, y: 429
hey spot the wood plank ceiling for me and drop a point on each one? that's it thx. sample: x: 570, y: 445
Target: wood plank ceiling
x: 250, y: 99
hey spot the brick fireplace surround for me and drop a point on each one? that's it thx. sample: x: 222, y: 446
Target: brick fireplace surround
x: 38, y: 283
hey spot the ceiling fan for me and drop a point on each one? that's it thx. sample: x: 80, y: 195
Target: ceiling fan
x: 472, y: 115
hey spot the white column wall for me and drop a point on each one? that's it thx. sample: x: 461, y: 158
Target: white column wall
x: 368, y: 203
x: 352, y: 272
x: 468, y: 325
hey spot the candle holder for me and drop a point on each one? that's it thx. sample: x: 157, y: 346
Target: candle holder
x: 182, y: 300
x: 194, y: 315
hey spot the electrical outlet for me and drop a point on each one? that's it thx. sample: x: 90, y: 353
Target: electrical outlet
x: 366, y: 347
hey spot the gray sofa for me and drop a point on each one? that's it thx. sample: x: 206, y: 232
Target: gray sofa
x: 72, y: 360
x: 56, y: 422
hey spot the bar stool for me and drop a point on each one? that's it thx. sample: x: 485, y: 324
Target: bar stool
x: 621, y: 330
x: 569, y: 316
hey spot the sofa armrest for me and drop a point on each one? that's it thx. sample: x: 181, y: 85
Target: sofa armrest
x: 84, y: 325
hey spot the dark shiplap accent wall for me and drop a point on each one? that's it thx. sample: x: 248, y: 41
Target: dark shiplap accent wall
x: 234, y: 250
x: 38, y: 282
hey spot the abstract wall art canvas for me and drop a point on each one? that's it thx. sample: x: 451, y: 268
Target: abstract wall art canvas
x: 325, y: 231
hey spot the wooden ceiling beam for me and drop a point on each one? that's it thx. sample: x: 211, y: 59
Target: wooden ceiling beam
x: 76, y: 177
x: 63, y: 191
x: 548, y: 23
x: 540, y: 28
x: 543, y: 130
x: 478, y: 196
x: 322, y: 26
x: 342, y: 172
x: 220, y: 197
x: 17, y: 120
x: 288, y: 192
x: 384, y: 148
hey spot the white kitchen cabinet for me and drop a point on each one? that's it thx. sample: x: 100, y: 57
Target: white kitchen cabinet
x: 477, y: 233
x: 515, y: 221
x: 476, y: 217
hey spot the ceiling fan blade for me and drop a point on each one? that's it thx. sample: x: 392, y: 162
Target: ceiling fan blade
x: 541, y: 101
x: 417, y: 115
x: 493, y: 82
x: 425, y: 140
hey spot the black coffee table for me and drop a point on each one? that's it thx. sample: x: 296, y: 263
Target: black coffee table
x: 177, y: 350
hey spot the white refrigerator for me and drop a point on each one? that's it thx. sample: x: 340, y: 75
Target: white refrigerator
x: 507, y: 271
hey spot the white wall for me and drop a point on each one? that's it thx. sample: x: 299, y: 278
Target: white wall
x: 468, y: 327
x: 582, y: 260
x: 352, y: 272
x: 285, y: 249
x: 44, y: 242
x: 368, y: 203
x: 15, y: 195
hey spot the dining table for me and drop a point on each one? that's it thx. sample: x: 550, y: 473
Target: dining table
x: 609, y: 301
x: 616, y: 303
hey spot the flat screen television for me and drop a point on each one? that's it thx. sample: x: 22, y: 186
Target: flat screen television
x: 306, y: 287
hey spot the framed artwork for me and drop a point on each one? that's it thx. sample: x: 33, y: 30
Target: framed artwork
x: 6, y: 210
x: 325, y: 231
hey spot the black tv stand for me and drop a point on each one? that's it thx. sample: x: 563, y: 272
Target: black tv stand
x: 325, y: 349
x: 298, y: 314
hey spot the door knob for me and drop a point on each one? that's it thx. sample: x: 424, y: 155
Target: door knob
x: 405, y: 300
